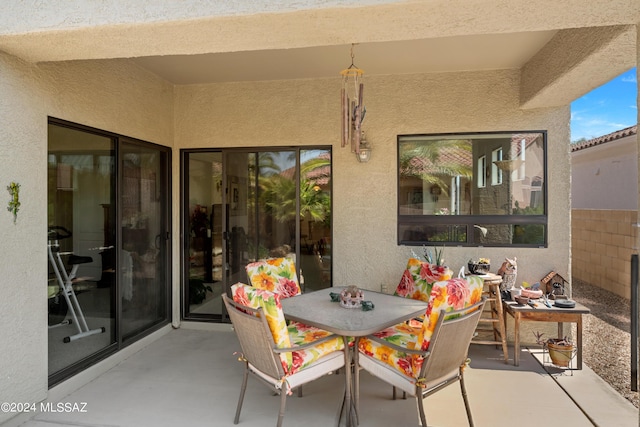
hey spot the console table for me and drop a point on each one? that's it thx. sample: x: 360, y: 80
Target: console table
x: 542, y: 313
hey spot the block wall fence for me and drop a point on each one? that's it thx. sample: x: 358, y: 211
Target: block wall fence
x: 602, y: 242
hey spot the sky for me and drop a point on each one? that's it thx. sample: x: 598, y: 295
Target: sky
x: 608, y: 108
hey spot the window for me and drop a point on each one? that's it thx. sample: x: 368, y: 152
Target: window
x: 438, y: 202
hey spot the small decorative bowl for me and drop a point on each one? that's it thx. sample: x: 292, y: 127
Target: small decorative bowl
x: 531, y: 293
x: 351, y: 297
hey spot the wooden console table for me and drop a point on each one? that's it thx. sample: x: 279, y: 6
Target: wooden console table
x: 542, y: 313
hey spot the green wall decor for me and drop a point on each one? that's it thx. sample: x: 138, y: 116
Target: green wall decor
x: 14, y: 203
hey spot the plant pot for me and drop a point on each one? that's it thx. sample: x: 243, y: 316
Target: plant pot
x: 560, y: 354
x: 478, y: 268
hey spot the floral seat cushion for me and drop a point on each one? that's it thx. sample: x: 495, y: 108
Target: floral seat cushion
x: 448, y: 295
x: 418, y: 279
x: 276, y: 275
x: 293, y: 335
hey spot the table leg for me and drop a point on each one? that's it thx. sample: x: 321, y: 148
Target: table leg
x: 560, y: 330
x: 579, y: 339
x: 347, y: 381
x: 516, y: 339
x: 351, y: 387
x: 356, y: 380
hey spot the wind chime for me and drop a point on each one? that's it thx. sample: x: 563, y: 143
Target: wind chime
x: 353, y: 109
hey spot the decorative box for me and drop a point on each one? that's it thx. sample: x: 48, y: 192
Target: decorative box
x: 351, y: 297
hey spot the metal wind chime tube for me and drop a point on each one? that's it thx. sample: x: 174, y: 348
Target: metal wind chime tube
x: 353, y: 110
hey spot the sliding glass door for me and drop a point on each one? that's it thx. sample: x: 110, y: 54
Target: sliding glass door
x: 108, y: 217
x: 245, y: 205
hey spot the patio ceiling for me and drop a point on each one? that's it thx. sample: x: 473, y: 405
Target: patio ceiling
x: 436, y: 55
x: 563, y: 49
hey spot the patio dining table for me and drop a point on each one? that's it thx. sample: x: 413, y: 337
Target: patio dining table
x: 317, y: 309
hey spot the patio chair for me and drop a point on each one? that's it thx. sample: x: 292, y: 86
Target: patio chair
x: 418, y: 279
x: 276, y: 275
x: 421, y: 360
x: 278, y: 359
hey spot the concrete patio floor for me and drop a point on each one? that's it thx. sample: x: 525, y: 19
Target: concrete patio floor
x: 191, y: 377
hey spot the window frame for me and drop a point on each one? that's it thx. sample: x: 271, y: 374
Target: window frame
x: 481, y: 181
x: 496, y: 172
x: 466, y: 223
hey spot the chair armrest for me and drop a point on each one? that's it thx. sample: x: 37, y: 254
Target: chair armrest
x: 304, y: 346
x: 398, y: 347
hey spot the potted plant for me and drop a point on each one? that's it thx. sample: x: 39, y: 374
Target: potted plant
x: 436, y: 262
x: 198, y: 291
x: 482, y: 266
x: 433, y: 259
x: 560, y: 349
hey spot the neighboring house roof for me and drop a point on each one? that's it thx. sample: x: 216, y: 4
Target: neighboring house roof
x: 631, y: 130
x: 320, y: 174
x: 516, y: 139
x: 462, y: 157
x: 447, y: 156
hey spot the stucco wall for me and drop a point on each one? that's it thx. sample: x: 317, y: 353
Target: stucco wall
x: 113, y: 96
x: 306, y: 112
x: 605, y: 176
x: 23, y: 270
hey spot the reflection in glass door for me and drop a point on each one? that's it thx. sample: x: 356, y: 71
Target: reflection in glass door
x: 245, y: 205
x: 203, y: 250
x: 80, y: 184
x: 286, y: 195
x: 144, y: 228
x: 315, y: 219
x: 263, y: 214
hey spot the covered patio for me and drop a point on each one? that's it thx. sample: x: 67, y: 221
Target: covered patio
x: 199, y: 75
x: 156, y: 385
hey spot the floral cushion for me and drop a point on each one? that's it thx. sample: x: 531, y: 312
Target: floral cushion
x: 452, y: 294
x: 302, y: 334
x: 276, y: 275
x: 418, y: 279
x: 295, y: 334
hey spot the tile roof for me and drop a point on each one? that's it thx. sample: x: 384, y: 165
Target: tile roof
x: 463, y: 157
x: 320, y: 174
x: 447, y: 155
x: 631, y: 130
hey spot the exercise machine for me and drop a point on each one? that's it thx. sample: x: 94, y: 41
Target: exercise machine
x: 65, y: 284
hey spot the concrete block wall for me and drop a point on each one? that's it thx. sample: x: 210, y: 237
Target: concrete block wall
x: 602, y: 242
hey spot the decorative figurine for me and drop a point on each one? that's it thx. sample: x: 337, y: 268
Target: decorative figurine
x: 508, y: 271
